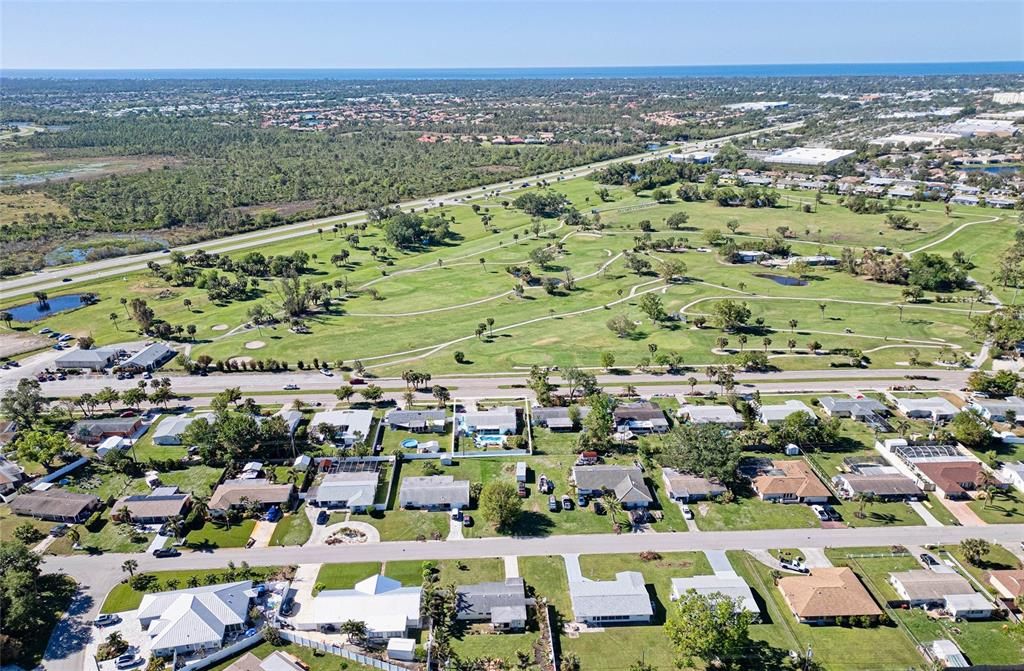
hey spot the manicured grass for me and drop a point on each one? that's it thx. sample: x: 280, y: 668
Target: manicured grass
x: 620, y: 647
x: 197, y: 480
x: 145, y: 449
x: 997, y: 558
x: 123, y: 597
x: 939, y: 511
x: 470, y: 571
x: 835, y: 648
x: 9, y: 522
x: 879, y: 515
x: 293, y: 529
x: 406, y: 525
x: 345, y: 576
x: 546, y: 574
x: 749, y: 512
x: 495, y: 646
x: 212, y: 535
x: 315, y: 662
x: 408, y: 572
x: 108, y: 537
x: 1006, y: 507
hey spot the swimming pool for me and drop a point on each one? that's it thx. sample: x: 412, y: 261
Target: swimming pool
x: 489, y: 440
x: 410, y: 443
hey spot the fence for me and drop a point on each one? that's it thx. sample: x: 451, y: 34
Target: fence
x: 224, y: 653
x: 372, y: 662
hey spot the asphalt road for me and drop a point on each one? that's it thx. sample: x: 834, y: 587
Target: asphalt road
x: 70, y: 275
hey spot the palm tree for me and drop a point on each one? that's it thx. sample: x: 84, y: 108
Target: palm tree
x: 490, y: 326
x: 767, y: 342
x: 612, y: 505
x: 75, y: 536
x: 407, y: 398
x: 188, y: 304
x: 864, y: 499
x: 792, y: 325
x: 124, y: 302
x: 129, y: 566
x: 354, y: 629
x: 113, y: 318
x: 41, y: 298
x: 692, y: 381
x: 822, y: 306
x: 200, y: 506
x: 6, y: 317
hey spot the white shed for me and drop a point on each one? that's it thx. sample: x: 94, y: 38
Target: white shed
x: 403, y: 649
x: 520, y: 471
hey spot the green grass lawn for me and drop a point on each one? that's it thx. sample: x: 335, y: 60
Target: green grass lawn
x: 895, y: 514
x: 1006, y: 507
x: 546, y: 574
x: 997, y: 558
x: 752, y: 513
x: 345, y: 576
x: 108, y: 537
x: 939, y: 511
x: 293, y: 529
x: 315, y: 662
x: 144, y: 449
x: 495, y: 646
x: 9, y: 522
x: 406, y: 525
x: 835, y: 648
x: 212, y: 535
x: 470, y: 293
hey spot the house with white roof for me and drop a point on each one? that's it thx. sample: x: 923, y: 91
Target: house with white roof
x: 195, y: 619
x: 354, y: 490
x: 604, y: 602
x: 500, y: 421
x: 776, y: 414
x: 89, y: 359
x: 169, y: 430
x: 342, y: 427
x: 723, y: 415
x: 433, y: 492
x: 388, y: 609
x: 935, y: 408
x: 1012, y: 474
x: 726, y: 583
x: 1000, y: 409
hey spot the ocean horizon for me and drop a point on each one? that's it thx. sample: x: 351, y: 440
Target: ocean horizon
x: 594, y: 72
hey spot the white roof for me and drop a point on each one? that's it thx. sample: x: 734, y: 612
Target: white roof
x: 402, y: 645
x: 291, y: 418
x: 710, y: 414
x: 808, y: 156
x: 381, y: 602
x: 933, y: 404
x: 175, y: 425
x: 357, y: 488
x: 625, y: 596
x: 727, y: 583
x: 195, y: 615
x: 972, y: 601
x: 353, y: 421
x: 777, y: 413
x: 500, y: 417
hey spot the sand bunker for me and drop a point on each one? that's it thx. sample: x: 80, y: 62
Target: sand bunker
x: 219, y: 327
x: 255, y: 344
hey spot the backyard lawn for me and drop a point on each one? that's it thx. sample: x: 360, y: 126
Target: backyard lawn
x: 213, y: 536
x: 313, y: 661
x: 293, y: 529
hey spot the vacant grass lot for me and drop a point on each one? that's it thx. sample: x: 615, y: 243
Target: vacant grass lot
x: 750, y: 512
x: 293, y: 529
x: 214, y: 536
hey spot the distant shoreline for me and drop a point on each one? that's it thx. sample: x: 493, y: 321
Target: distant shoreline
x: 595, y: 72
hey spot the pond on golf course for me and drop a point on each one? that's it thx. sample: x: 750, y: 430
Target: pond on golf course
x: 782, y: 279
x: 34, y: 311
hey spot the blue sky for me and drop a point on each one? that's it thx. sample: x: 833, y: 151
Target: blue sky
x: 496, y: 33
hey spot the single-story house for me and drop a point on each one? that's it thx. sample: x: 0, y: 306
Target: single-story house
x: 886, y: 483
x: 790, y: 481
x: 996, y: 409
x: 149, y: 358
x: 88, y: 359
x: 388, y: 609
x: 934, y: 408
x: 169, y: 430
x: 826, y: 594
x: 503, y: 603
x: 749, y: 256
x: 727, y: 583
x: 723, y: 415
x: 1012, y: 474
x: 685, y: 487
x: 11, y: 476
x: 639, y: 418
x: 500, y: 421
x: 626, y: 482
x: 1008, y: 582
x: 355, y: 490
x: 603, y: 602
x: 275, y: 661
x: 859, y: 409
x: 922, y: 587
x: 195, y: 619
x: 557, y: 418
x: 347, y: 427
x: 417, y: 421
x: 55, y: 504
x: 112, y: 444
x: 776, y: 414
x: 93, y: 431
x: 973, y: 606
x: 952, y: 479
x: 292, y: 419
x: 434, y: 492
x: 238, y: 493
x: 157, y: 507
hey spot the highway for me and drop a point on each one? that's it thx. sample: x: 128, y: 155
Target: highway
x: 55, y: 277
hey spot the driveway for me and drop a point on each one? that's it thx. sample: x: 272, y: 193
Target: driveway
x: 719, y: 562
x: 572, y: 568
x: 963, y: 513
x: 262, y: 532
x: 925, y: 514
x: 815, y: 558
x: 131, y: 630
x: 455, y: 530
x: 302, y: 591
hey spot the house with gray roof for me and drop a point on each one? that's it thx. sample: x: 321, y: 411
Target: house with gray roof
x: 434, y: 492
x: 149, y: 358
x: 886, y: 483
x: 604, y: 602
x: 417, y: 421
x: 935, y: 408
x: 723, y: 415
x: 1000, y: 409
x: 87, y: 359
x: 625, y: 482
x: 726, y: 583
x: 195, y: 620
x: 502, y: 603
x: 859, y: 409
x: 500, y: 421
x: 169, y: 430
x: 686, y: 487
x: 639, y: 419
x: 557, y: 418
x: 55, y: 504
x: 157, y: 507
x: 355, y: 490
x: 776, y: 414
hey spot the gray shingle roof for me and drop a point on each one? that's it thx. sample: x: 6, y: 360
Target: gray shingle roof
x: 53, y: 502
x: 626, y: 596
x: 626, y: 481
x: 486, y: 599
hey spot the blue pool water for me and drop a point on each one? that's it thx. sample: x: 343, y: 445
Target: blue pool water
x: 410, y: 443
x: 489, y: 440
x: 30, y: 312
